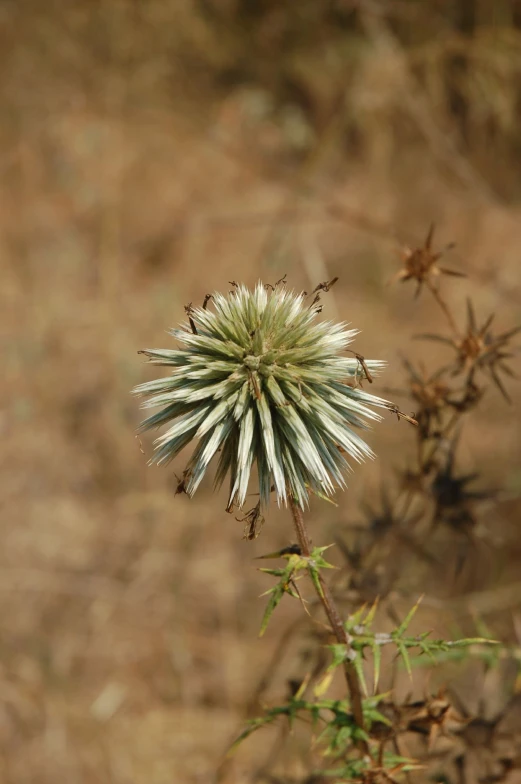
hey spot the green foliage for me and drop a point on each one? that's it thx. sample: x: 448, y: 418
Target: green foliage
x: 363, y: 637
x: 288, y: 576
x: 286, y: 584
x: 340, y: 729
x: 339, y: 735
x: 358, y: 770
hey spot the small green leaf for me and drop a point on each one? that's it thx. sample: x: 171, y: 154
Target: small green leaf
x: 377, y: 659
x: 315, y: 576
x: 285, y: 585
x: 355, y: 619
x: 339, y: 651
x: 292, y: 590
x: 374, y: 715
x: 405, y: 656
x: 320, y: 495
x: 324, y: 683
x: 471, y: 641
x: 276, y: 595
x: 251, y: 727
x: 425, y: 648
x: 369, y: 618
x: 358, y: 665
x: 318, y: 560
x: 275, y: 572
x: 408, y: 618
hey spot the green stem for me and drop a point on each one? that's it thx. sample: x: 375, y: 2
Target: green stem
x: 352, y: 680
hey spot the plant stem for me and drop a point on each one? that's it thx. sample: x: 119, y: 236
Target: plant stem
x: 353, y: 683
x: 443, y: 305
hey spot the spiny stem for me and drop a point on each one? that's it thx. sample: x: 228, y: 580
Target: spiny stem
x: 353, y: 683
x: 443, y: 305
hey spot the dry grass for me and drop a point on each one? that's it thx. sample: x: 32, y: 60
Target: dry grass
x: 128, y: 642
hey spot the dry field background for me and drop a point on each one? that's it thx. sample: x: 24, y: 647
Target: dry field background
x: 150, y: 153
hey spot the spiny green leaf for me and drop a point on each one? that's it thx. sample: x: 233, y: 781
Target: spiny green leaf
x: 369, y: 618
x: 317, y: 556
x: 339, y: 651
x: 426, y: 648
x: 324, y: 683
x: 405, y: 656
x: 373, y: 715
x: 377, y: 659
x: 315, y: 576
x: 339, y: 657
x: 356, y: 618
x: 358, y: 665
x: 471, y: 641
x: 253, y: 725
x: 276, y: 595
x: 285, y: 585
x: 274, y: 572
x: 408, y: 618
x: 320, y: 495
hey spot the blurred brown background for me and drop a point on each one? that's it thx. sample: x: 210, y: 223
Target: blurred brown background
x: 150, y: 153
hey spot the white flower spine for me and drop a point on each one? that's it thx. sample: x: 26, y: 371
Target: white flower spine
x: 262, y: 382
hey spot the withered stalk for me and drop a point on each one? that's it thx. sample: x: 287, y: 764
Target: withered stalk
x: 443, y: 305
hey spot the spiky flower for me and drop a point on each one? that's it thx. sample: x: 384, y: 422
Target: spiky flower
x: 260, y: 381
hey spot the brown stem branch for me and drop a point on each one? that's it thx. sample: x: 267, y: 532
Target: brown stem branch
x: 443, y: 305
x: 353, y: 683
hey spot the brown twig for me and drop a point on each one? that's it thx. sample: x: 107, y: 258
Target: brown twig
x: 443, y: 305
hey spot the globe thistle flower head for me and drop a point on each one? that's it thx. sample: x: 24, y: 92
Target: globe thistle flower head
x: 259, y: 381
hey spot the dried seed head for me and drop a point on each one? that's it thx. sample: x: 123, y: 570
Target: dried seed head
x: 478, y: 349
x: 261, y: 381
x: 421, y: 264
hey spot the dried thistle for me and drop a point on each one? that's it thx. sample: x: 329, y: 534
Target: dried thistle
x: 386, y: 515
x: 479, y: 349
x: 433, y: 716
x: 260, y: 380
x: 421, y: 264
x: 430, y: 393
x: 453, y: 499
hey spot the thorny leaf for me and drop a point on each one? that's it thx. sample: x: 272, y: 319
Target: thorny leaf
x: 315, y: 577
x: 339, y: 657
x: 317, y: 560
x: 358, y: 664
x: 285, y: 585
x: 292, y: 549
x: 290, y: 710
x: 408, y: 618
x: 402, y: 650
x: 377, y: 660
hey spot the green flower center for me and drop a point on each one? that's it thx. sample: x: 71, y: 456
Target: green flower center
x: 252, y: 362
